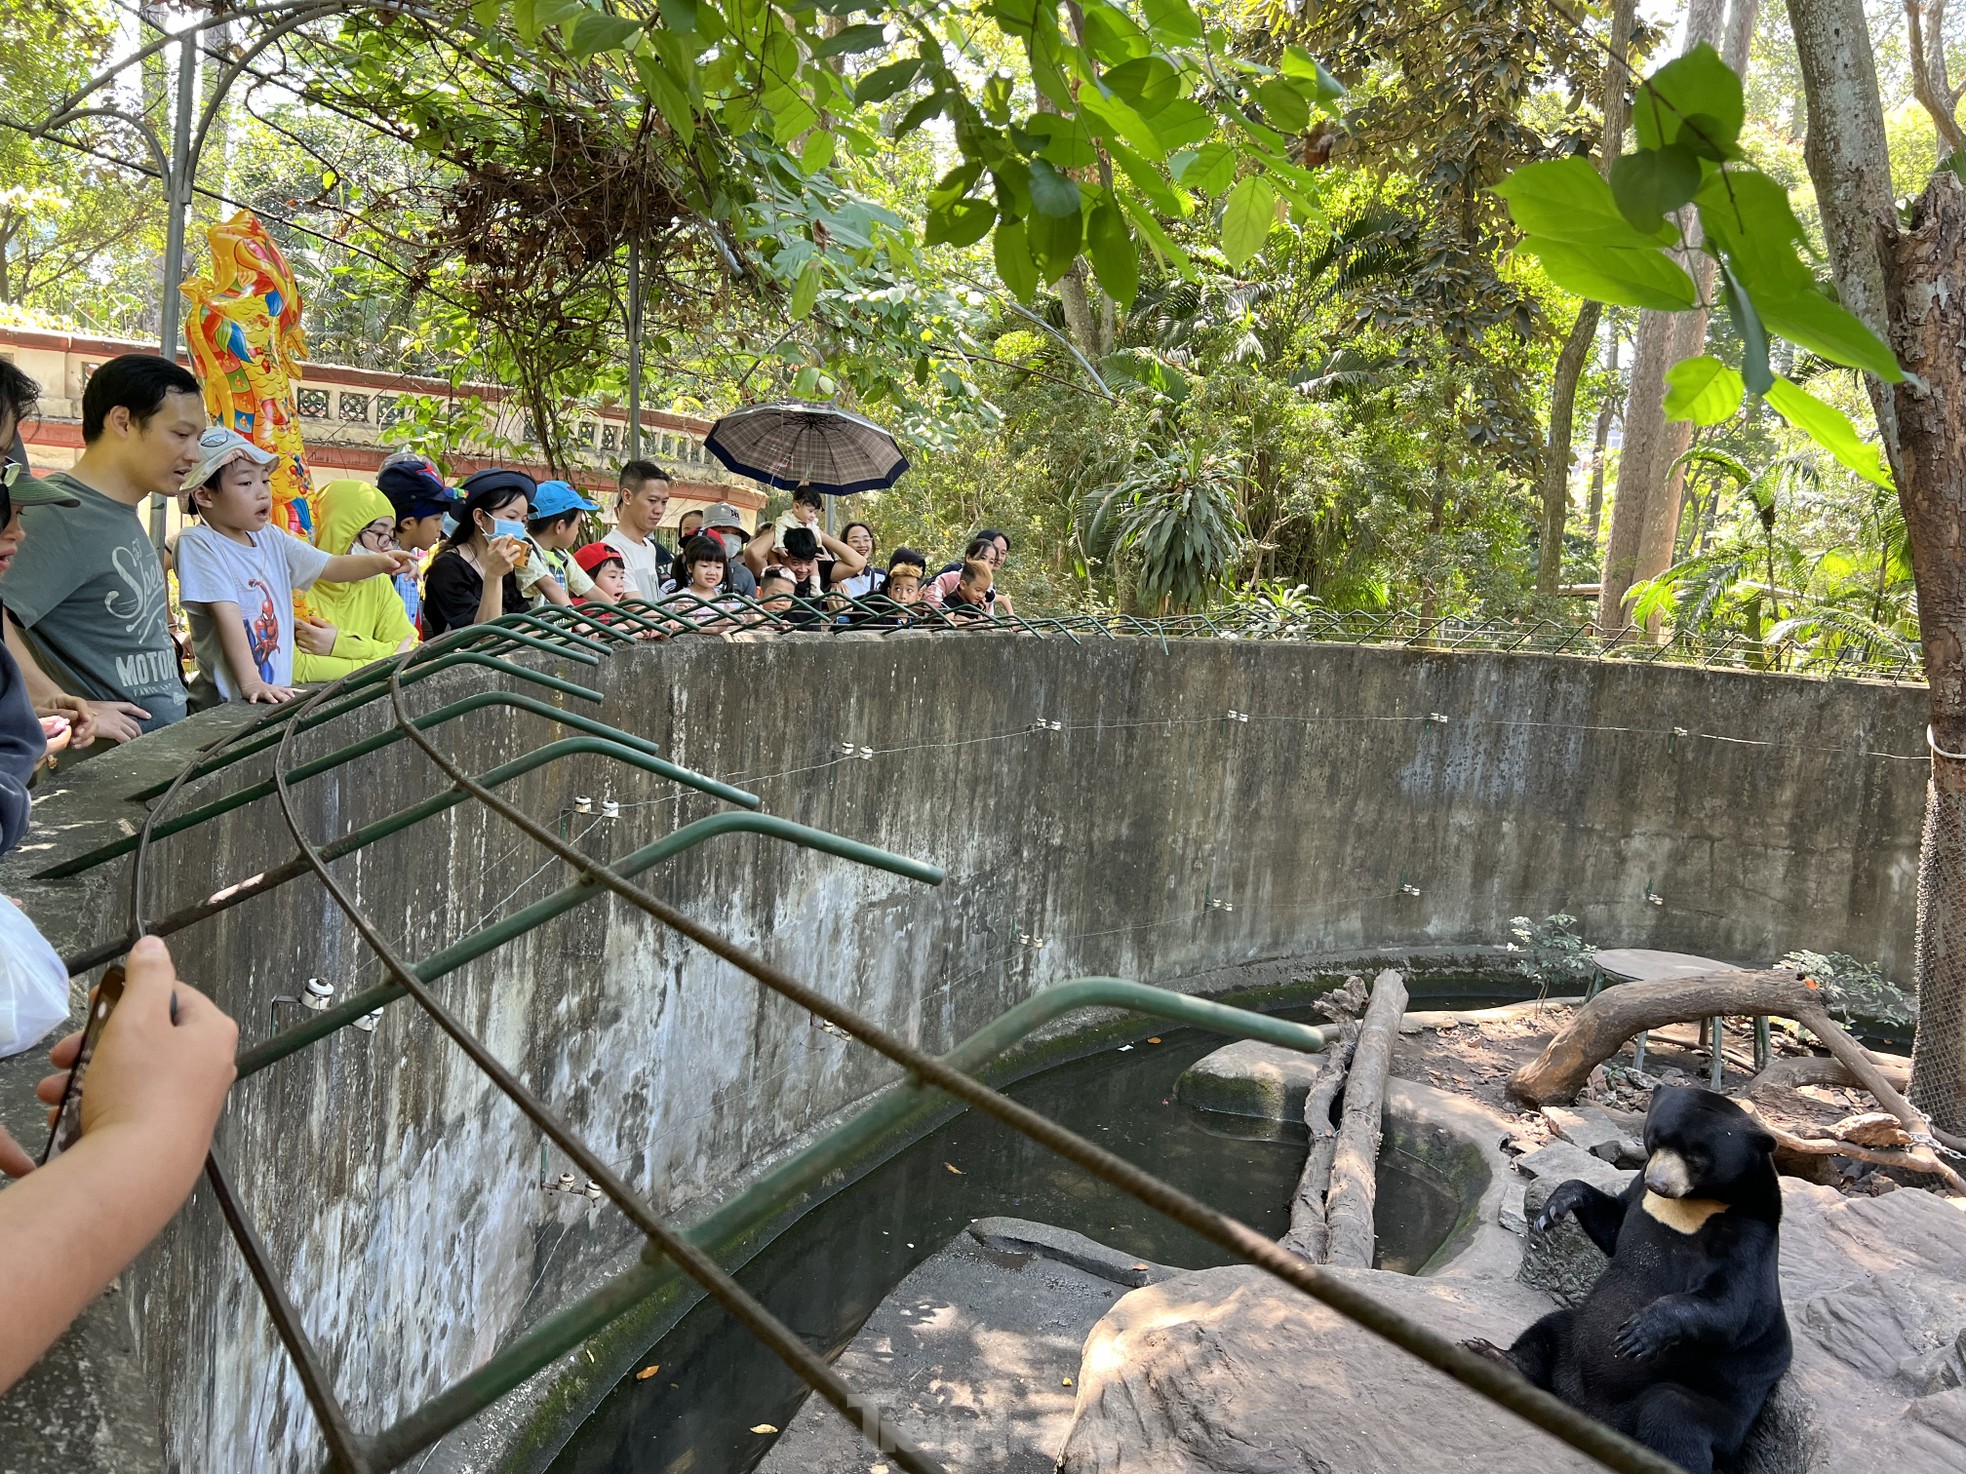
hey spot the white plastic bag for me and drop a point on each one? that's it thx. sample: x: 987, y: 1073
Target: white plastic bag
x: 33, y: 983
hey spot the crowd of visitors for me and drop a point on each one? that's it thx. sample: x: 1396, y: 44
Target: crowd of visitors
x: 88, y: 611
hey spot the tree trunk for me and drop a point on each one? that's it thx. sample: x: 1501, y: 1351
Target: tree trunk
x: 1647, y: 445
x: 1661, y: 530
x: 1309, y: 1234
x: 1606, y: 412
x: 1555, y: 479
x: 1925, y: 285
x: 1348, y: 1209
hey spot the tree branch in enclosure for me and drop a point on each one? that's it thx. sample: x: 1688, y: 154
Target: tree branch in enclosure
x: 1348, y: 1206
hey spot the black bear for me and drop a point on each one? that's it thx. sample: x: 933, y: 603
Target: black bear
x: 1680, y: 1341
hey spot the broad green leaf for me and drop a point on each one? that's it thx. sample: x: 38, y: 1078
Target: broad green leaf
x: 924, y: 109
x: 1052, y: 193
x: 1115, y: 259
x: 1616, y: 275
x: 485, y: 13
x: 669, y: 98
x: 1066, y: 144
x: 1284, y: 106
x: 1246, y: 219
x: 954, y: 185
x: 1652, y: 183
x: 1151, y: 182
x: 1015, y: 268
x: 1693, y: 100
x: 806, y: 292
x: 1164, y: 247
x: 1210, y: 169
x: 962, y: 224
x: 818, y: 151
x: 791, y: 116
x: 1300, y: 65
x: 1703, y: 390
x: 1114, y: 116
x: 884, y: 81
x: 1747, y: 322
x: 807, y: 382
x: 556, y: 12
x: 1054, y: 242
x: 1810, y: 319
x: 1181, y: 124
x: 1830, y: 428
x: 1150, y: 83
x: 1111, y: 35
x: 595, y: 32
x: 1172, y: 23
x: 1746, y: 216
x: 678, y: 15
x: 1567, y: 200
x: 854, y: 39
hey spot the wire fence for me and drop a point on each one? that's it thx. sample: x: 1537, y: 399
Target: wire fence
x: 584, y: 636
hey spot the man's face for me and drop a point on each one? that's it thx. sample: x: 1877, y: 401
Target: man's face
x: 649, y: 502
x: 801, y: 569
x: 158, y: 454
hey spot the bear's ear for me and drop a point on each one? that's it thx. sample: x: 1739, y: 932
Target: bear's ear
x: 1761, y: 1141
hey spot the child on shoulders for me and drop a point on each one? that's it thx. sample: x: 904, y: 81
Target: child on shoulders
x: 237, y: 575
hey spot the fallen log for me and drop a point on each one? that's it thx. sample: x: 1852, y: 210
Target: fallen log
x: 1918, y: 1159
x: 1308, y: 1234
x: 1820, y: 1069
x: 1601, y: 1027
x: 1355, y: 1161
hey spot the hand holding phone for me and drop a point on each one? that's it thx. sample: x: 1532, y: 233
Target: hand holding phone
x: 159, y: 1065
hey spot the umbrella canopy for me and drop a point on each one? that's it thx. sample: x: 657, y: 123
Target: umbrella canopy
x: 791, y: 445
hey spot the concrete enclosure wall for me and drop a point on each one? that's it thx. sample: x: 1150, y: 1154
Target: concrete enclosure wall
x: 1728, y: 814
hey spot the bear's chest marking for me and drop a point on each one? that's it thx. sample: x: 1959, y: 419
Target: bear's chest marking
x: 1681, y: 1215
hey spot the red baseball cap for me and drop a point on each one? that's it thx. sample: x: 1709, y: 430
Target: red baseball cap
x: 591, y: 557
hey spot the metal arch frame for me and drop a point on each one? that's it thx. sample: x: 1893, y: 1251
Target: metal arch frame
x: 684, y: 1252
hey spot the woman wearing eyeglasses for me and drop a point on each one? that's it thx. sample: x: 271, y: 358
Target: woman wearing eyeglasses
x: 349, y: 625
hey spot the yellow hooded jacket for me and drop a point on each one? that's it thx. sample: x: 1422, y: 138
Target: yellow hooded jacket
x: 369, y: 615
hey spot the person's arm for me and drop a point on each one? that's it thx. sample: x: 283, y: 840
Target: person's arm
x: 230, y: 626
x: 354, y: 567
x: 153, y: 1096
x: 115, y: 721
x: 846, y: 562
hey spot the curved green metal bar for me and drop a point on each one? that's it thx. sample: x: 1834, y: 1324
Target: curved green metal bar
x: 490, y: 938
x: 898, y: 1111
x: 191, y: 818
x: 402, y: 819
x: 355, y: 694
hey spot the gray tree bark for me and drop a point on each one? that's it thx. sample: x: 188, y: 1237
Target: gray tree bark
x: 1606, y: 413
x: 1646, y: 450
x: 1909, y: 286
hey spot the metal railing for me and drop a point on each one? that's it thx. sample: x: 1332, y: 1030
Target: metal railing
x: 583, y: 636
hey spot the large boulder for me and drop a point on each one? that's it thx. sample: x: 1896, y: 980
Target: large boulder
x: 1227, y: 1370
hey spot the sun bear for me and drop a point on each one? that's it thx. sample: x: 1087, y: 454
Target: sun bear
x: 1683, y: 1337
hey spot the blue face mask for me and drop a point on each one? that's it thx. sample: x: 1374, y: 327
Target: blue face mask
x: 450, y: 524
x: 505, y: 527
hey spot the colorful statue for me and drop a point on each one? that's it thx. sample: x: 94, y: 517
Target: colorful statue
x: 247, y: 345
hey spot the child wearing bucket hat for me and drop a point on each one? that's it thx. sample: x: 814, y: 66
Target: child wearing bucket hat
x: 237, y: 575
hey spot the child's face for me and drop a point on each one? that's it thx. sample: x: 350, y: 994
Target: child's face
x: 705, y: 575
x: 419, y: 534
x: 243, y: 500
x: 775, y: 595
x: 972, y: 593
x: 612, y: 580
x: 904, y: 588
x: 559, y: 536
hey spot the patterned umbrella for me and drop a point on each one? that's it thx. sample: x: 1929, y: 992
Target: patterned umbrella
x: 791, y: 445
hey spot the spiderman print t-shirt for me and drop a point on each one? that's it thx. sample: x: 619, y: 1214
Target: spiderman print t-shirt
x: 258, y: 578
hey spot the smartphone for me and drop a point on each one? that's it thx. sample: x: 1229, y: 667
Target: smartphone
x: 68, y: 1115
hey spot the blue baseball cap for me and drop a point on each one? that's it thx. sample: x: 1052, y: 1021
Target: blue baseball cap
x: 555, y: 497
x: 414, y: 486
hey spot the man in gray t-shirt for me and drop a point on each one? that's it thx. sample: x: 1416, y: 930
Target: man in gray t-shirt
x: 85, y: 600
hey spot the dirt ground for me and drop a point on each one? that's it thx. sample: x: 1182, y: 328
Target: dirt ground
x: 1477, y: 1058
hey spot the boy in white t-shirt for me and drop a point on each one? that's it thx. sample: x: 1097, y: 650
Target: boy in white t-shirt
x: 237, y: 576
